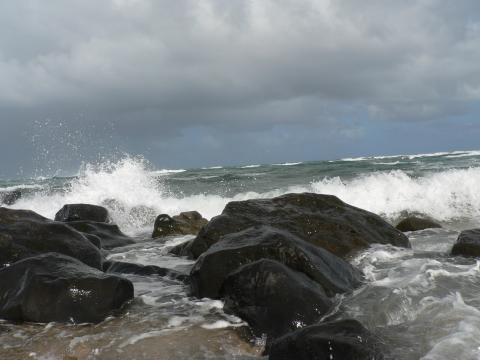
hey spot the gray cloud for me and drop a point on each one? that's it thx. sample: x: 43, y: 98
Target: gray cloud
x: 155, y: 68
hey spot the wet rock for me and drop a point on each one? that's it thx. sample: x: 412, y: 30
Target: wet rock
x: 121, y: 267
x: 109, y: 234
x: 322, y: 220
x: 234, y: 250
x: 415, y: 223
x: 467, y: 244
x: 344, y: 339
x: 273, y: 299
x: 55, y: 287
x: 24, y: 233
x: 10, y: 197
x: 75, y: 212
x: 180, y: 249
x: 186, y: 223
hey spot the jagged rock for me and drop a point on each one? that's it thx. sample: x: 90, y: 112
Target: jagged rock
x: 121, y: 267
x: 273, y: 299
x: 468, y: 243
x: 322, y: 220
x: 109, y: 234
x: 55, y: 287
x: 186, y: 223
x: 24, y: 233
x: 75, y: 212
x: 344, y: 339
x: 415, y: 223
x: 234, y: 250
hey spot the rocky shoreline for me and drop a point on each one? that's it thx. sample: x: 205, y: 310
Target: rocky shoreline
x: 277, y: 263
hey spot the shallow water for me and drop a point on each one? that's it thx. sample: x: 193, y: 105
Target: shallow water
x: 423, y: 303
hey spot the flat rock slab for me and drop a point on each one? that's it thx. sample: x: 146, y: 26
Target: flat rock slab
x: 55, y: 287
x: 322, y: 220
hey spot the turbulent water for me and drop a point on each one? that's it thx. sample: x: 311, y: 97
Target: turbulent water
x: 422, y: 302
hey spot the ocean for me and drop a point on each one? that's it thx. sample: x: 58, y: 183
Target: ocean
x: 424, y: 303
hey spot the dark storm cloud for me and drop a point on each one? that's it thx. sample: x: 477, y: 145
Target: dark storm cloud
x: 150, y: 68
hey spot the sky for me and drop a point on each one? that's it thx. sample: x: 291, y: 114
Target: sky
x: 191, y: 83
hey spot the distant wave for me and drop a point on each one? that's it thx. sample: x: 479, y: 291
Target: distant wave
x: 212, y: 168
x: 450, y: 154
x: 288, y: 164
x: 167, y: 171
x: 249, y: 166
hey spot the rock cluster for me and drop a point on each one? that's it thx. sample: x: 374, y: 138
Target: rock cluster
x: 55, y: 270
x: 279, y: 264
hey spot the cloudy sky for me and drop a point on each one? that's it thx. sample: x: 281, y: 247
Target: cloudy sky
x: 205, y: 82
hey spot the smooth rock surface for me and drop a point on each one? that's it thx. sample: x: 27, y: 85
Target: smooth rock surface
x: 273, y: 299
x: 110, y: 234
x: 24, y: 233
x: 341, y: 340
x: 75, y: 212
x: 467, y: 244
x: 234, y: 250
x: 322, y: 220
x: 55, y: 287
x: 415, y: 223
x: 186, y: 223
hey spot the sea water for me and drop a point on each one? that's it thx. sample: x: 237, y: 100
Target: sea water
x: 424, y: 303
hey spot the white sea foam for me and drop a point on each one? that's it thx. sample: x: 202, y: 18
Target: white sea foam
x: 288, y: 164
x: 134, y: 195
x: 249, y: 166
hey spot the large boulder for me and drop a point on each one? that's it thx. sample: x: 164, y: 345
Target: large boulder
x: 416, y: 223
x: 344, y: 339
x: 110, y: 235
x: 467, y: 244
x: 234, y: 250
x: 186, y: 223
x: 75, y: 212
x: 322, y: 220
x: 273, y: 299
x: 55, y: 287
x: 24, y: 233
x: 120, y: 267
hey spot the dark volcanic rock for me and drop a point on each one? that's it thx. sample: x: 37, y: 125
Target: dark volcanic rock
x: 345, y: 339
x: 322, y: 220
x: 186, y: 223
x: 273, y: 299
x: 415, y: 223
x: 24, y: 233
x: 468, y: 243
x: 74, y: 212
x: 180, y: 249
x: 121, y: 267
x: 10, y: 197
x: 109, y: 234
x: 234, y: 250
x: 54, y: 287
